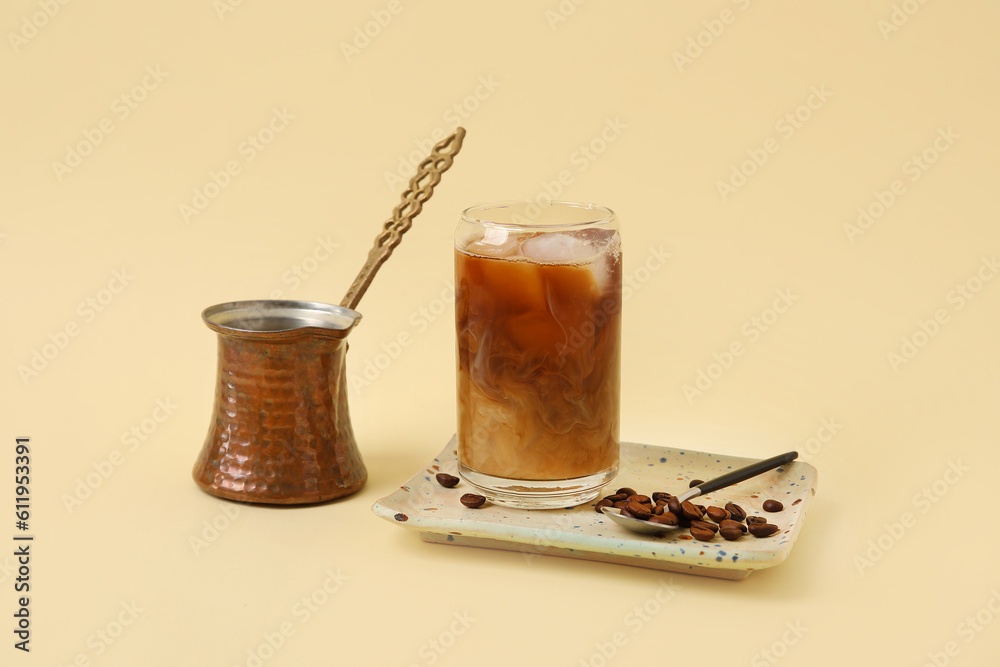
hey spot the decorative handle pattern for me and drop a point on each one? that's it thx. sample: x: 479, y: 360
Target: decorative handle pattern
x: 419, y: 190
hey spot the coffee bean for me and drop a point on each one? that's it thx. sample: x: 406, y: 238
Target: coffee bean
x: 638, y: 510
x: 704, y: 525
x: 762, y: 529
x: 695, y: 482
x: 691, y: 510
x: 733, y: 525
x: 626, y: 490
x: 666, y: 519
x: 661, y: 495
x: 473, y: 500
x: 736, y: 512
x: 662, y: 502
x: 756, y: 519
x: 702, y: 508
x: 674, y: 505
x: 717, y: 514
x: 446, y: 480
x: 620, y: 504
x: 601, y: 504
x: 702, y: 534
x: 624, y: 512
x: 616, y: 497
x: 658, y: 509
x: 731, y: 533
x: 641, y: 499
x: 773, y: 506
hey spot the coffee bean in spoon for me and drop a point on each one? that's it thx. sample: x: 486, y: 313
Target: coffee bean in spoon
x: 665, y: 519
x: 638, y: 510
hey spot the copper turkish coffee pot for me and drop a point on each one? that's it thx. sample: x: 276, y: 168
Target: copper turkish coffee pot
x: 281, y: 431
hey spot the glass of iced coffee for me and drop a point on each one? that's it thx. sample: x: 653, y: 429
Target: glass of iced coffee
x: 538, y: 318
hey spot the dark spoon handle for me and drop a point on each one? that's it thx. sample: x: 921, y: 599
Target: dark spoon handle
x: 747, y: 472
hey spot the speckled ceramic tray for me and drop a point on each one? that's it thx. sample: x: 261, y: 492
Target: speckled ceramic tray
x: 437, y: 515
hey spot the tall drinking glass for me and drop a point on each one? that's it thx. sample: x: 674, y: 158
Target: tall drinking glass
x: 538, y: 318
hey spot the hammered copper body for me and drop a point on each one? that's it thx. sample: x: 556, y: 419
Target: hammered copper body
x: 281, y: 431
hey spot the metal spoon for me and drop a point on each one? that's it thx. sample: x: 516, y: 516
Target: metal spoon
x: 721, y: 482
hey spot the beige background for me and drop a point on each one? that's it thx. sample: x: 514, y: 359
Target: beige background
x: 533, y: 89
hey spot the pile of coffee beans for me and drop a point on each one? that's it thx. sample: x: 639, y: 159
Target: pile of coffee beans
x: 470, y: 500
x: 731, y: 521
